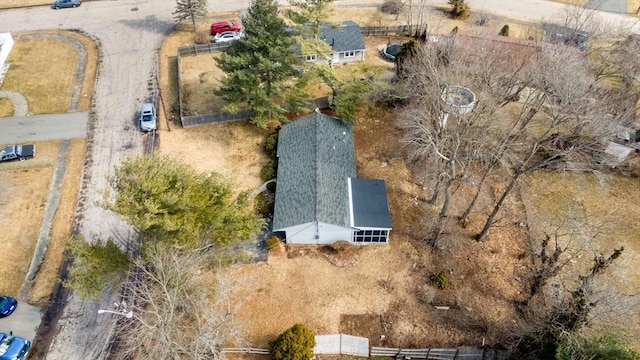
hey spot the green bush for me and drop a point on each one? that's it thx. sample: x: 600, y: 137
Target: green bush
x: 504, y: 31
x: 296, y: 343
x: 268, y: 171
x: 440, y: 280
x: 271, y: 144
x: 264, y: 204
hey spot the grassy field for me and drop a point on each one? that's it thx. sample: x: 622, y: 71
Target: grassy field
x: 35, y: 56
x: 6, y: 107
x: 24, y: 186
x: 8, y: 4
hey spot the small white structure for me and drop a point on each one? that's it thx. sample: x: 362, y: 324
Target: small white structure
x: 458, y: 99
x: 6, y: 43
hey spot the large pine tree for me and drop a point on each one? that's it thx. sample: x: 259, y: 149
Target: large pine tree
x: 263, y: 68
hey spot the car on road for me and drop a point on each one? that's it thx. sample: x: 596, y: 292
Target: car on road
x: 148, y: 121
x: 7, y: 305
x: 391, y: 51
x: 21, y: 152
x: 58, y: 4
x: 224, y: 26
x: 227, y: 36
x: 13, y: 347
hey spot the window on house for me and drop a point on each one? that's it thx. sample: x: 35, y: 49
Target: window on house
x: 313, y: 57
x: 371, y: 236
x: 350, y: 54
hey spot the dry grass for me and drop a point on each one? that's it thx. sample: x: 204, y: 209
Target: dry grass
x: 9, y: 4
x: 23, y: 194
x: 47, y: 276
x: 521, y: 31
x: 6, y: 107
x: 231, y: 149
x: 200, y: 78
x: 50, y: 91
x: 24, y: 187
x: 31, y: 62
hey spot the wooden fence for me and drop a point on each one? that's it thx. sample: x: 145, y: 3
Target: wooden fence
x: 217, y: 117
x: 385, y: 30
x: 223, y: 116
x: 461, y: 353
x: 245, y: 351
x: 192, y: 50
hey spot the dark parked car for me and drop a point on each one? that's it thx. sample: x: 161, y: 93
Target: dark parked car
x: 391, y: 52
x: 13, y: 347
x: 224, y: 26
x: 66, y: 4
x: 7, y: 305
x: 14, y: 152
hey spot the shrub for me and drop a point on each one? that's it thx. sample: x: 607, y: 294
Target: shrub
x: 296, y: 343
x: 268, y: 171
x: 391, y: 7
x: 504, y: 31
x: 272, y: 242
x: 264, y: 204
x: 440, y: 280
x: 460, y: 10
x: 202, y: 37
x: 271, y: 143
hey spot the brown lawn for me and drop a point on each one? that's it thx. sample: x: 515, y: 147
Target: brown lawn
x: 24, y: 186
x: 385, y: 290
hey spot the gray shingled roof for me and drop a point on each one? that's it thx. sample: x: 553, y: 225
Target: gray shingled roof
x: 370, y: 205
x: 346, y: 37
x: 315, y: 157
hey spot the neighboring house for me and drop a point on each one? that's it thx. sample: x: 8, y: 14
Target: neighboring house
x: 6, y: 43
x: 319, y: 200
x: 346, y: 43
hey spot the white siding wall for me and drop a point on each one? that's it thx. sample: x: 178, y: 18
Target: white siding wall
x: 327, y: 234
x: 332, y: 233
x: 6, y: 43
x: 301, y: 234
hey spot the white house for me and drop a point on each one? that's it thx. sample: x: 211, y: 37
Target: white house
x: 319, y: 199
x: 346, y: 43
x: 6, y: 43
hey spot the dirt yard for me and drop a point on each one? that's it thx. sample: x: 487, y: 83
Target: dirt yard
x: 384, y: 292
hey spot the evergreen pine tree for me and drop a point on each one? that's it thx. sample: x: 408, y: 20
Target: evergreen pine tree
x: 263, y: 68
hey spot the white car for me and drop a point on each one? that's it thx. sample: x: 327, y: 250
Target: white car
x: 148, y: 117
x: 227, y: 36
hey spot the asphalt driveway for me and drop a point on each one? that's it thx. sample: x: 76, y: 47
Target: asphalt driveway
x: 43, y: 127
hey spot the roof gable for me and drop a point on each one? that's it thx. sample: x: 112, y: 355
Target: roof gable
x: 316, y: 156
x: 345, y: 37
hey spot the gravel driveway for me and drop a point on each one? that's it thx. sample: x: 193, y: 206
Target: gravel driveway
x: 130, y: 33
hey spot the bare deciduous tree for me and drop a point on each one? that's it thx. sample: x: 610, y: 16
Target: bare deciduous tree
x: 177, y: 311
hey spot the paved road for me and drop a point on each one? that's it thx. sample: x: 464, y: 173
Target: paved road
x: 43, y: 127
x: 21, y: 321
x: 130, y: 33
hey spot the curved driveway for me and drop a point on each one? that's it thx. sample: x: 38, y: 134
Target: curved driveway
x: 130, y: 33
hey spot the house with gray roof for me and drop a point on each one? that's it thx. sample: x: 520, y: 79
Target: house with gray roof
x: 319, y: 199
x: 346, y: 43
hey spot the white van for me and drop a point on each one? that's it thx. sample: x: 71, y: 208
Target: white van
x: 148, y: 117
